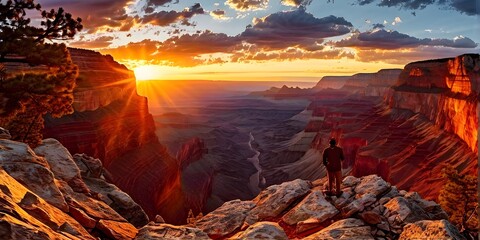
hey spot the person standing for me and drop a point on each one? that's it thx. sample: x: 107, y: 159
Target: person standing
x: 332, y: 159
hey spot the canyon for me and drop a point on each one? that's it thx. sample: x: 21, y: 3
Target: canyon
x: 402, y: 125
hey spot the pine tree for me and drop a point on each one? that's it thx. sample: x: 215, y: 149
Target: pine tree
x: 26, y: 97
x: 458, y: 198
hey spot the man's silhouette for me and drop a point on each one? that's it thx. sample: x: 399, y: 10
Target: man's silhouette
x: 332, y: 159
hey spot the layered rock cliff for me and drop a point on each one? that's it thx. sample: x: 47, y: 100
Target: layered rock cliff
x: 445, y: 91
x: 112, y: 122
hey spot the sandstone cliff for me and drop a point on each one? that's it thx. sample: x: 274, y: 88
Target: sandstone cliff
x: 112, y: 122
x: 445, y: 91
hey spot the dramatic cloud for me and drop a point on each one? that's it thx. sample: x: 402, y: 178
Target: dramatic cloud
x: 96, y: 14
x: 100, y: 42
x: 155, y: 3
x: 165, y: 18
x: 406, y: 56
x: 468, y: 7
x: 247, y: 5
x: 185, y: 50
x: 384, y: 39
x: 218, y: 14
x: 290, y: 54
x: 293, y: 28
x: 296, y: 3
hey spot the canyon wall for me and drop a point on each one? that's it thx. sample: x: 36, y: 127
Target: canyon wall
x: 334, y: 82
x: 445, y: 91
x: 112, y: 122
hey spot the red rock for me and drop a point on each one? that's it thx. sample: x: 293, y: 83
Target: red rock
x: 371, y: 217
x: 82, y: 217
x: 117, y: 230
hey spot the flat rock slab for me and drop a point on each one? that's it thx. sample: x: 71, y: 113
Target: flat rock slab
x: 117, y: 230
x: 59, y: 158
x: 170, y: 232
x: 276, y: 198
x: 313, y: 206
x: 426, y: 229
x: 262, y: 230
x: 349, y: 228
x: 225, y: 219
x: 372, y: 184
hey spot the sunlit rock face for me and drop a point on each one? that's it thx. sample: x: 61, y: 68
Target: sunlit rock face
x: 445, y: 91
x: 111, y: 122
x: 380, y: 83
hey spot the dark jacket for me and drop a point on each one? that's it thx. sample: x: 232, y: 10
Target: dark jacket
x: 332, y: 158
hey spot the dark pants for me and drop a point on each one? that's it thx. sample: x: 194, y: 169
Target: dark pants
x: 337, y: 177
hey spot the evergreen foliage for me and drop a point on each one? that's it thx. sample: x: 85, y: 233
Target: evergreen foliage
x: 458, y: 198
x: 28, y: 94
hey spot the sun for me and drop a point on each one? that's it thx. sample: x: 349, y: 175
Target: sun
x: 147, y: 72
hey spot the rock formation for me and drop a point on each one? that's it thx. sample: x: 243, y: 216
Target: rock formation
x: 369, y: 208
x: 111, y: 122
x: 393, y: 125
x: 45, y: 195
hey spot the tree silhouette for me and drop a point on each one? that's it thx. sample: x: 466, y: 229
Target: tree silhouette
x: 458, y: 198
x: 27, y: 93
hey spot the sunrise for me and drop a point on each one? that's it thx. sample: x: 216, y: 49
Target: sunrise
x: 239, y: 119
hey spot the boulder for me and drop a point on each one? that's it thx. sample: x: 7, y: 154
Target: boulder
x: 25, y: 215
x: 426, y: 229
x: 117, y: 230
x: 225, y: 219
x: 276, y: 198
x: 59, y: 158
x: 350, y: 181
x: 370, y: 217
x: 170, y: 232
x: 262, y: 230
x: 372, y: 184
x: 4, y: 134
x: 20, y: 162
x: 349, y: 228
x: 358, y: 205
x: 119, y: 201
x: 89, y: 166
x: 400, y: 211
x: 313, y: 206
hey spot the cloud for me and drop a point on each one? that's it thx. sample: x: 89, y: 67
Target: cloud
x: 186, y: 50
x: 292, y: 28
x: 97, y: 15
x: 247, y: 5
x: 296, y: 3
x: 156, y: 3
x: 378, y: 25
x: 165, y: 18
x: 291, y: 54
x: 99, y: 42
x: 143, y: 50
x: 397, y: 20
x: 385, y: 39
x: 468, y: 7
x: 218, y: 14
x: 406, y: 56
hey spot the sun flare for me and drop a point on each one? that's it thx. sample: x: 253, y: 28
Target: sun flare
x: 147, y: 72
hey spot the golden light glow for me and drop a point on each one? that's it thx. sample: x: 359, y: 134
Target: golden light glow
x: 299, y: 70
x: 147, y: 72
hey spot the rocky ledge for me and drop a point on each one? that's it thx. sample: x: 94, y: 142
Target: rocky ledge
x: 46, y: 193
x: 369, y: 208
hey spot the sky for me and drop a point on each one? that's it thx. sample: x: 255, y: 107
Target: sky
x: 272, y: 40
